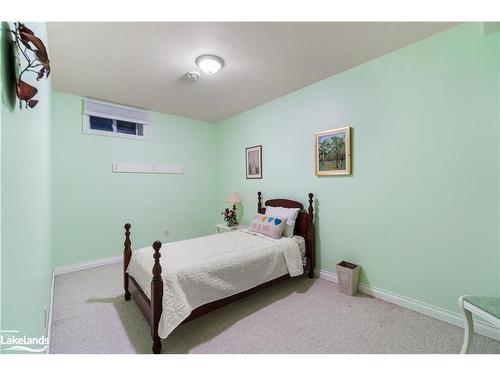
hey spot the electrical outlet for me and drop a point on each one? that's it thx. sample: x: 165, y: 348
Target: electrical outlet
x: 166, y: 233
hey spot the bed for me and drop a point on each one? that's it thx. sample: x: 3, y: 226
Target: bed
x: 190, y: 278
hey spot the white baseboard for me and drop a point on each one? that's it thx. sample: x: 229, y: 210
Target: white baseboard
x: 61, y: 270
x: 447, y: 316
x: 325, y: 275
x: 51, y: 306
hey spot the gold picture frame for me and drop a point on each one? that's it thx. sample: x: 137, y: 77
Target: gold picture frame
x: 332, y: 152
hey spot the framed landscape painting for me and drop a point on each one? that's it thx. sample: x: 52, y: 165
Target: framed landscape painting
x: 253, y: 157
x: 332, y: 152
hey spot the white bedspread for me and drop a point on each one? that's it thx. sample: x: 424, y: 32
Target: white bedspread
x: 205, y: 269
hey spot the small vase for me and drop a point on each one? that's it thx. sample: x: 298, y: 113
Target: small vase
x: 230, y: 224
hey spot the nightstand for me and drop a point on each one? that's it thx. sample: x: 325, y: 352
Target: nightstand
x: 219, y: 228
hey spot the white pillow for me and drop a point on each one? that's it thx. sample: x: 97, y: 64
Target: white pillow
x: 289, y: 213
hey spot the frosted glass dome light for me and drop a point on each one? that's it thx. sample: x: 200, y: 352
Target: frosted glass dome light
x: 210, y: 64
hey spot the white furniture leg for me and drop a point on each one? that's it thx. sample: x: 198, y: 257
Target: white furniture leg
x: 468, y: 329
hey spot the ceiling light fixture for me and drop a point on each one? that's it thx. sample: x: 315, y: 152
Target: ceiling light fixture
x: 210, y: 64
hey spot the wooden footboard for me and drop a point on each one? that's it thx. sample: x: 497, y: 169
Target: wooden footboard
x: 127, y: 254
x: 151, y: 309
x: 156, y: 298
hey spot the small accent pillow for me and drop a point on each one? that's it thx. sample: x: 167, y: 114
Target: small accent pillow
x: 270, y: 226
x: 290, y: 214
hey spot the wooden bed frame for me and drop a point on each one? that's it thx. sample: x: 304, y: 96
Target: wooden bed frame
x: 152, y: 308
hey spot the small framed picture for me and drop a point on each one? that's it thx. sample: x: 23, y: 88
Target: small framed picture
x: 332, y: 152
x: 253, y: 158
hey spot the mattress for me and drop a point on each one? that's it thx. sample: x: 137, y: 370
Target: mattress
x: 201, y: 270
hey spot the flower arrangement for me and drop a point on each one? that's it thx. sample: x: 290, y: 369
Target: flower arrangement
x: 230, y: 217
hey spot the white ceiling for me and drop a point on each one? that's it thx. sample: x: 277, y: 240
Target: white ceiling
x: 142, y: 64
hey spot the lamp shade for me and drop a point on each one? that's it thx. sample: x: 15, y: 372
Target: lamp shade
x: 233, y: 197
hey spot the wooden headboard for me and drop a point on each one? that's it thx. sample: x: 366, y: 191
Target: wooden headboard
x: 304, y: 225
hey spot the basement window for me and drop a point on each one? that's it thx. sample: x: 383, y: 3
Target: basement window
x: 101, y: 118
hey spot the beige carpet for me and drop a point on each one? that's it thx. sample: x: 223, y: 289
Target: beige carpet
x: 295, y: 316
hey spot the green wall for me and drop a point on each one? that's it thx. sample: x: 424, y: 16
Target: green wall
x: 498, y: 108
x: 90, y: 204
x: 1, y: 109
x: 25, y: 196
x: 420, y: 212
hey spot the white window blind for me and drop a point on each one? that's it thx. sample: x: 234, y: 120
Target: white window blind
x: 97, y: 108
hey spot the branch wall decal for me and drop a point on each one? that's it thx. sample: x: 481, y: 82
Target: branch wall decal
x: 34, y: 52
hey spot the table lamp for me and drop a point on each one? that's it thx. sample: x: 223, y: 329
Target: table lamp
x: 233, y: 198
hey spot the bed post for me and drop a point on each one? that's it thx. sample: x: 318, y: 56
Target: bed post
x: 259, y: 202
x: 310, y: 235
x: 156, y: 298
x: 127, y: 254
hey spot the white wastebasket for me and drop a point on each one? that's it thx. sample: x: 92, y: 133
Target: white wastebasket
x: 348, y: 277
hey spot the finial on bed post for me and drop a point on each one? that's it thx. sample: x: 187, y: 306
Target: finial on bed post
x: 311, y: 209
x: 127, y: 254
x: 310, y: 236
x: 156, y: 298
x: 259, y: 202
